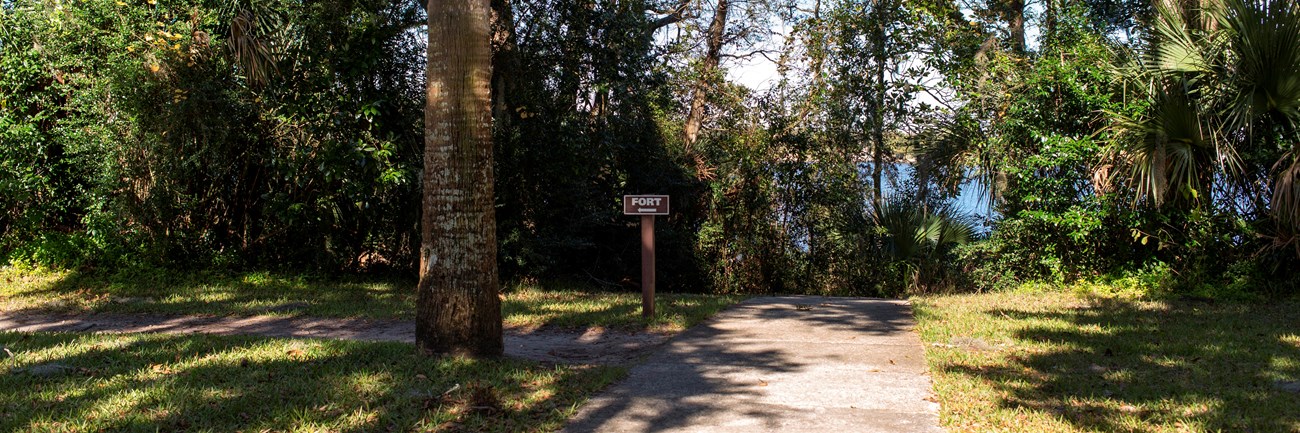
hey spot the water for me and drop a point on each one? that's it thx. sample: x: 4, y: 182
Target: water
x: 971, y: 198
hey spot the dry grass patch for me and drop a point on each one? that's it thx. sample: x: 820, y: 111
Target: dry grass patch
x: 1054, y: 362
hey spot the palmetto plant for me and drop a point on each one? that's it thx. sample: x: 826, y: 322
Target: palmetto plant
x: 1221, y: 80
x: 919, y: 238
x: 261, y: 34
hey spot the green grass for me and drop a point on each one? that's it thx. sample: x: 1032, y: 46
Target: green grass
x: 531, y: 307
x: 260, y: 293
x: 152, y: 382
x: 156, y: 291
x: 1055, y: 362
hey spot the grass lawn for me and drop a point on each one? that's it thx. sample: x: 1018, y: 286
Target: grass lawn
x: 206, y: 293
x: 1055, y: 362
x: 151, y: 382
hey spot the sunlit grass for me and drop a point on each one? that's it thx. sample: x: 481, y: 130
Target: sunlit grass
x: 260, y: 293
x: 156, y: 382
x: 530, y: 306
x: 1058, y: 362
x: 168, y: 292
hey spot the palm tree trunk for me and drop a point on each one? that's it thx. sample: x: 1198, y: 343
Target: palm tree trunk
x: 458, y: 310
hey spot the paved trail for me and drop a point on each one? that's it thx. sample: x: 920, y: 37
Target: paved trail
x: 592, y: 346
x: 778, y: 364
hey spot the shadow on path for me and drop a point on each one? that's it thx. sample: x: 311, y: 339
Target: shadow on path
x: 778, y: 364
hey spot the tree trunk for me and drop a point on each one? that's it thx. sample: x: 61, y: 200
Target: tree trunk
x: 1016, y: 25
x: 504, y: 61
x: 458, y: 311
x: 816, y: 50
x: 1049, y: 24
x: 878, y: 127
x: 712, y: 56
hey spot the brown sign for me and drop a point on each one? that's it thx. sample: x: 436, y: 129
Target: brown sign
x: 645, y: 205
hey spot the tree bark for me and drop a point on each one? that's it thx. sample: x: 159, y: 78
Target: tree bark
x: 673, y: 16
x: 1049, y: 23
x: 712, y: 56
x: 458, y: 311
x: 1016, y: 25
x: 878, y: 128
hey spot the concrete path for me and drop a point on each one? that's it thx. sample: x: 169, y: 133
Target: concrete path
x: 590, y: 346
x: 778, y: 364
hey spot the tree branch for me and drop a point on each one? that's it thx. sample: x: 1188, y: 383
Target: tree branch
x: 746, y: 56
x: 673, y: 16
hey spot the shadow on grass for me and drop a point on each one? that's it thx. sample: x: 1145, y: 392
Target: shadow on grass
x: 227, y: 384
x: 157, y: 291
x: 1120, y: 366
x: 161, y: 292
x: 575, y: 309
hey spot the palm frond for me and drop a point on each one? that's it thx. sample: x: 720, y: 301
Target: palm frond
x: 955, y: 150
x: 1168, y: 149
x: 1286, y: 190
x: 1264, y: 70
x: 1177, y: 49
x: 261, y: 37
x: 916, y: 232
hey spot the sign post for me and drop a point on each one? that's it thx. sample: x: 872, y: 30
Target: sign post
x: 647, y: 206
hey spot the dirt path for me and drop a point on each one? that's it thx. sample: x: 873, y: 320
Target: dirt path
x: 591, y: 346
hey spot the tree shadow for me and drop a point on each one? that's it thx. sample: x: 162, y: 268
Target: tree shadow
x: 225, y: 384
x: 1120, y: 366
x: 197, y: 293
x: 739, y: 372
x: 620, y: 312
x: 159, y: 291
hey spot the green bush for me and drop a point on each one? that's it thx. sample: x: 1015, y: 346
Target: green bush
x: 132, y: 132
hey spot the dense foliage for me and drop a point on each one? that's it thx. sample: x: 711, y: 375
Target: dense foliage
x: 210, y: 134
x: 1119, y: 141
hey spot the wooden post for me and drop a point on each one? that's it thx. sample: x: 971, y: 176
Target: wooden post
x: 647, y: 206
x: 647, y: 266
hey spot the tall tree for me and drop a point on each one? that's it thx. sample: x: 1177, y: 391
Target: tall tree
x: 875, y: 55
x: 1015, y: 14
x: 505, y: 60
x: 882, y: 12
x: 459, y: 311
x: 712, y: 55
